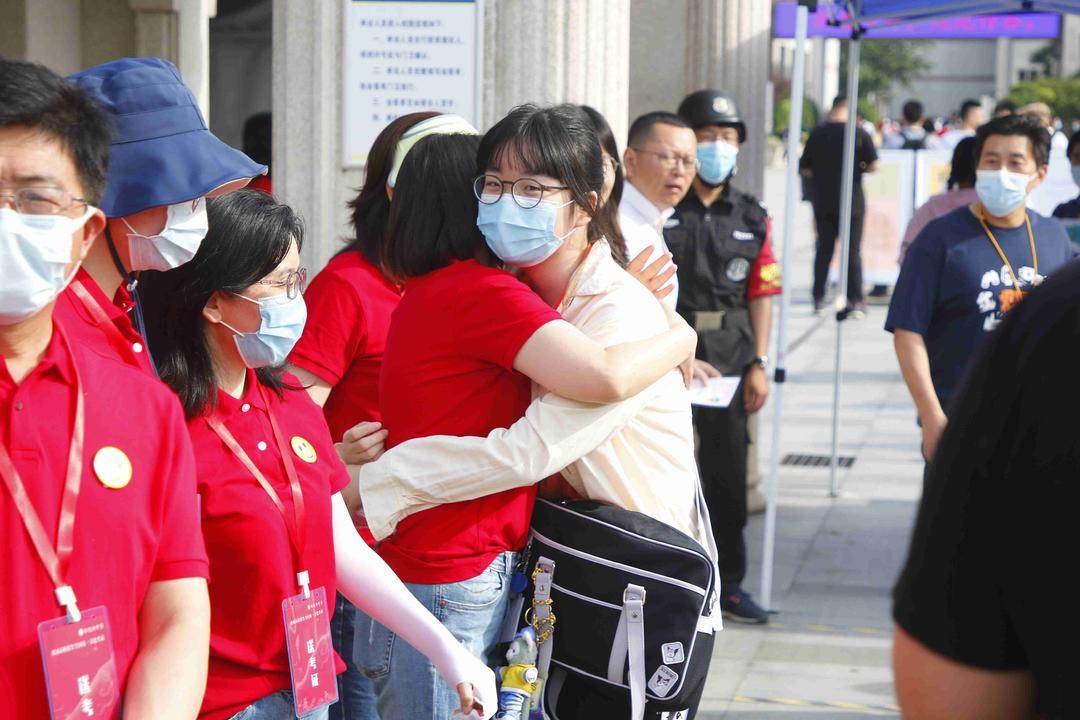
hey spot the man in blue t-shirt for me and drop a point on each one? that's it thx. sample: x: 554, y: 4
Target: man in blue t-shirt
x: 967, y: 269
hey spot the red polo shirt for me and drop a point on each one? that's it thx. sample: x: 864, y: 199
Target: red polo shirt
x: 349, y: 305
x: 85, y: 328
x: 251, y: 560
x: 448, y: 370
x: 124, y: 539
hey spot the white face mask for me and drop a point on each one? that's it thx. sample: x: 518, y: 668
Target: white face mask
x: 185, y: 228
x: 35, y: 251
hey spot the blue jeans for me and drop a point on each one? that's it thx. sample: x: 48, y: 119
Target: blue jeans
x: 407, y: 686
x: 354, y: 688
x: 278, y: 706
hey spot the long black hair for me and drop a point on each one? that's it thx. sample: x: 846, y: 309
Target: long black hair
x: 962, y: 174
x: 250, y: 233
x: 370, y: 209
x: 557, y: 141
x: 609, y: 211
x: 433, y: 216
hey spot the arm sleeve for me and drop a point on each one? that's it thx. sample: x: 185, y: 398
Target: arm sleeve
x: 915, y: 226
x: 764, y: 278
x: 425, y: 472
x: 806, y: 161
x: 335, y: 329
x: 554, y: 433
x: 496, y: 324
x: 181, y: 550
x: 915, y: 294
x: 867, y: 151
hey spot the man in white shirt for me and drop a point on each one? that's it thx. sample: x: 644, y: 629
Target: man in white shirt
x: 660, y: 163
x: 971, y: 117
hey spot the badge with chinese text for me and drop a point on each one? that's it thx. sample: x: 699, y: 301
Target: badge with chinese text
x: 311, y: 651
x: 80, y: 667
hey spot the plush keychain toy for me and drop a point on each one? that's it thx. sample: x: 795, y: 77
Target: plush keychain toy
x: 521, y: 684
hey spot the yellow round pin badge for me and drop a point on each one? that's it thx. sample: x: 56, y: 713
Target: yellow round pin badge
x: 303, y: 449
x: 112, y: 467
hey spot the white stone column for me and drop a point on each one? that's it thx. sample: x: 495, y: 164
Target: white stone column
x: 1070, y: 45
x: 555, y: 51
x: 179, y: 31
x: 1003, y: 67
x: 728, y: 49
x: 307, y: 167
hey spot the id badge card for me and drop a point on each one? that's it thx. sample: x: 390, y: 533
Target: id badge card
x: 80, y: 667
x: 311, y: 651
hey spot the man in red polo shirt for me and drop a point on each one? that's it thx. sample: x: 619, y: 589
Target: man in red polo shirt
x: 163, y: 164
x: 104, y: 604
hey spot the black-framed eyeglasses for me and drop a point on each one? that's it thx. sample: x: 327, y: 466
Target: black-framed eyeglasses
x: 41, y: 200
x: 295, y: 283
x: 670, y: 162
x: 526, y: 192
x: 615, y: 164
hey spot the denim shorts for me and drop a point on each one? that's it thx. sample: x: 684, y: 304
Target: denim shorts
x: 407, y: 686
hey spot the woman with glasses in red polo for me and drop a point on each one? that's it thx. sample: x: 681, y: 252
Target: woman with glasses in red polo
x: 278, y: 534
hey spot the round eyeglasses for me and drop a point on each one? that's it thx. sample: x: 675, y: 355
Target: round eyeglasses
x: 526, y: 192
x: 295, y: 283
x: 41, y: 200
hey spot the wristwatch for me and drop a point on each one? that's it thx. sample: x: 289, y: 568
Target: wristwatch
x: 762, y: 361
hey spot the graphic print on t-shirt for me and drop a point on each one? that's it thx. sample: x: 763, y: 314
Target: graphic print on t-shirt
x: 998, y: 294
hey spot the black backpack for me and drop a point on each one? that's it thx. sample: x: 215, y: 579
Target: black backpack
x: 633, y: 600
x: 914, y: 144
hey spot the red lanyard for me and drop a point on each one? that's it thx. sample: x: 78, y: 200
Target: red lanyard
x: 296, y: 528
x: 56, y: 560
x: 105, y: 322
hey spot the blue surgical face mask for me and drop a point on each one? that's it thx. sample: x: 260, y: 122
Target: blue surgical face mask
x: 35, y: 251
x: 1076, y: 174
x: 716, y: 161
x: 1001, y: 191
x: 521, y: 237
x: 281, y: 325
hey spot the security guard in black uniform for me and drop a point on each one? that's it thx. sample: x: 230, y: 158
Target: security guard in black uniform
x: 719, y: 238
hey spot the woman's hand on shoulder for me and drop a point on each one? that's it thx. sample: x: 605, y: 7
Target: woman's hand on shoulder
x: 656, y: 275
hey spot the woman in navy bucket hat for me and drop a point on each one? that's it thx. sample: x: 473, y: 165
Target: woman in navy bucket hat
x: 164, y: 162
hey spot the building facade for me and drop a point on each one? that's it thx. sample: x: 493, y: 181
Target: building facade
x: 624, y: 57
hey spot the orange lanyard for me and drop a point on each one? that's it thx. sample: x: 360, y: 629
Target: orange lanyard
x: 1000, y: 252
x: 56, y: 560
x: 296, y: 529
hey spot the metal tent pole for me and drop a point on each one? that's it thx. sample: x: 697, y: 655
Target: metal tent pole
x: 846, y: 192
x: 795, y: 115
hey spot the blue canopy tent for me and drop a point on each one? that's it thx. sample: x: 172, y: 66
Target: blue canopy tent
x: 855, y: 13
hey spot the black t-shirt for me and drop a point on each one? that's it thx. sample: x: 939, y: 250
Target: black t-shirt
x: 989, y: 576
x: 824, y: 157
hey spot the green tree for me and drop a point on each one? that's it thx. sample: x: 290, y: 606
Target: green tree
x: 1061, y: 94
x: 884, y: 65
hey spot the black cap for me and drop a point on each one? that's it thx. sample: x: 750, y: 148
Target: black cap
x: 711, y: 107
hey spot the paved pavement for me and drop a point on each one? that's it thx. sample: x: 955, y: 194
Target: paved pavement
x: 827, y: 652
